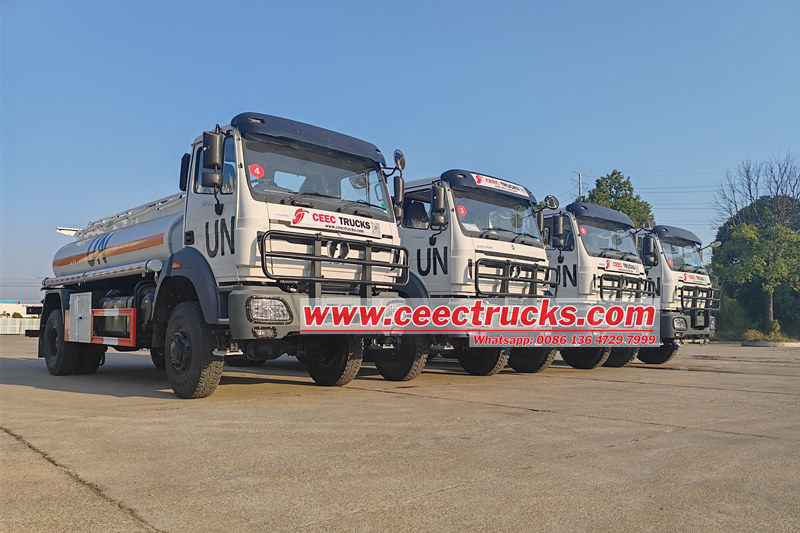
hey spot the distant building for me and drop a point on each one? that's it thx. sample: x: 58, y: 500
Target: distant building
x: 27, y: 308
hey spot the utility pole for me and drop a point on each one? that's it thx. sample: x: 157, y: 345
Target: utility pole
x: 580, y: 182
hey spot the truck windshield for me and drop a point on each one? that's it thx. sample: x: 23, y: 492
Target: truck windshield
x: 496, y: 215
x: 604, y: 238
x: 288, y: 174
x: 682, y: 255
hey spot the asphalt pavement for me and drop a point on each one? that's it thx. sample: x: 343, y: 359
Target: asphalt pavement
x: 711, y: 440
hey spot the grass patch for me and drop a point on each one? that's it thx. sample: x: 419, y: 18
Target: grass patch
x: 753, y: 335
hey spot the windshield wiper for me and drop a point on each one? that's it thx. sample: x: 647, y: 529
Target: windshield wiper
x: 293, y: 197
x: 517, y: 235
x: 487, y: 231
x: 356, y: 211
x: 603, y: 252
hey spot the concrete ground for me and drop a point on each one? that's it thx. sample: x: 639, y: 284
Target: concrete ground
x: 710, y: 440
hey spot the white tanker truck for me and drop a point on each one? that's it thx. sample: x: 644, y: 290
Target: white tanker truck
x: 271, y: 212
x: 673, y: 261
x: 470, y: 235
x: 595, y: 251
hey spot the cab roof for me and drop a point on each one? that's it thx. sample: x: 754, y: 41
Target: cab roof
x: 463, y: 178
x: 581, y: 209
x: 305, y: 134
x: 676, y: 233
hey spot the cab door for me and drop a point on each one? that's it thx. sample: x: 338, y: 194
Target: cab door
x: 206, y: 231
x: 430, y: 262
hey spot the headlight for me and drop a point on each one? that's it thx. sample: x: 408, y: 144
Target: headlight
x: 712, y: 322
x: 679, y: 323
x: 268, y: 310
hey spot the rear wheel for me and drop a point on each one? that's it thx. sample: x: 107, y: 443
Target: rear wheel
x: 334, y: 360
x: 530, y: 360
x: 660, y: 355
x: 60, y: 356
x: 90, y: 357
x: 620, y: 357
x: 192, y: 368
x: 484, y: 361
x: 584, y: 358
x: 405, y: 362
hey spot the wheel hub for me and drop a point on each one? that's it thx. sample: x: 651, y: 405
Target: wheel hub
x: 180, y: 350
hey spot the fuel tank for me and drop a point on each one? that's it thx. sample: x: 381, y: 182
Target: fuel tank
x: 138, y: 235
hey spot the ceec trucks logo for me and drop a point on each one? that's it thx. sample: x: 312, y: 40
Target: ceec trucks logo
x: 621, y: 266
x: 500, y: 185
x: 337, y: 222
x: 298, y: 216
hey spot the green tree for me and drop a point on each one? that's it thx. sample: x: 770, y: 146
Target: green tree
x: 616, y: 191
x: 16, y: 315
x: 770, y: 257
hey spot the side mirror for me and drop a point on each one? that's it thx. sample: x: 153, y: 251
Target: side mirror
x: 647, y: 225
x: 184, y: 179
x: 213, y: 156
x: 438, y: 219
x: 211, y: 179
x: 557, y: 242
x: 558, y: 227
x: 551, y: 202
x: 437, y: 199
x: 399, y: 196
x: 715, y: 244
x: 399, y: 160
x: 649, y: 250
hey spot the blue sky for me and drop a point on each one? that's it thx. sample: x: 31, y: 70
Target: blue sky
x: 100, y: 99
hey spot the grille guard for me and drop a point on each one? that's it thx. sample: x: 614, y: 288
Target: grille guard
x: 315, y: 280
x: 619, y: 284
x: 509, y: 268
x: 693, y: 295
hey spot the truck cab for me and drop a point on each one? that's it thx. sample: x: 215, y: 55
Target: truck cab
x: 471, y: 235
x: 272, y: 214
x: 594, y: 249
x: 673, y: 260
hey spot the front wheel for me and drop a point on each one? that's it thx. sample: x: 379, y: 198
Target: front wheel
x: 660, y: 355
x: 405, y: 362
x: 620, y: 357
x: 60, y: 356
x: 334, y: 360
x: 192, y: 368
x: 584, y: 358
x: 484, y: 361
x: 531, y: 360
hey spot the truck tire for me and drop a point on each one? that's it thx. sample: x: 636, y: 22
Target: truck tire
x: 158, y: 358
x: 407, y: 361
x: 584, y: 358
x: 193, y: 370
x: 334, y: 360
x: 60, y: 356
x: 660, y: 355
x: 484, y: 361
x: 531, y: 360
x: 620, y: 357
x: 90, y: 357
